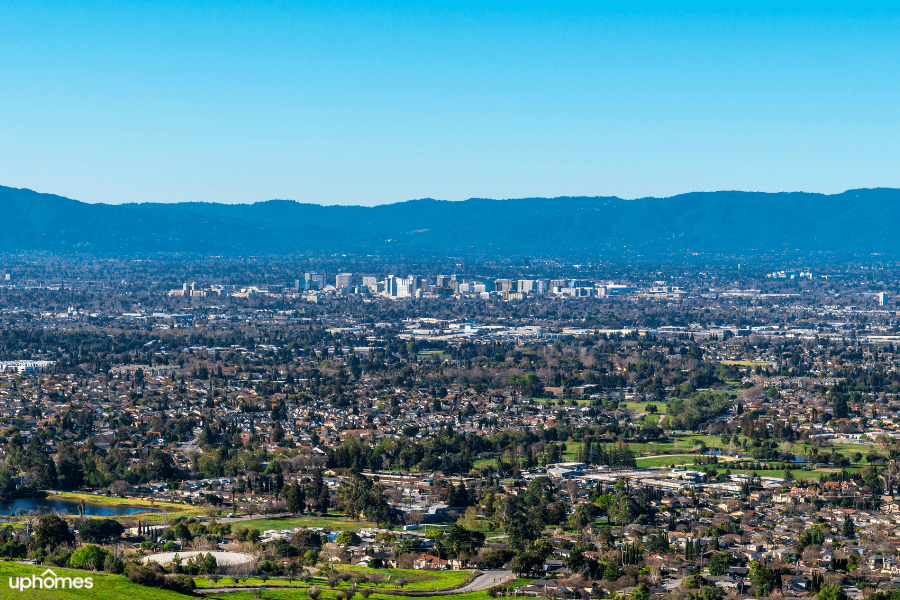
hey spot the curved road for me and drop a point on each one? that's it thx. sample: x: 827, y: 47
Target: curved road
x: 486, y: 580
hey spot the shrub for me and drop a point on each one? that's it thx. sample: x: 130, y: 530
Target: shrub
x: 183, y: 584
x: 113, y: 565
x: 88, y: 557
x: 143, y: 575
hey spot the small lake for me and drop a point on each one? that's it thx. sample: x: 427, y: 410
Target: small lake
x: 51, y: 505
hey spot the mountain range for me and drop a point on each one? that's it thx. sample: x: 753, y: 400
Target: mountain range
x: 733, y: 223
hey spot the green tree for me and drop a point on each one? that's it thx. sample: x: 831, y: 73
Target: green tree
x: 849, y: 529
x: 583, y: 516
x: 99, y: 531
x: 641, y: 592
x: 7, y: 485
x: 718, y: 562
x: 832, y: 592
x: 50, y: 532
x: 623, y: 509
x: 765, y: 580
x: 181, y: 532
x: 89, y: 557
x: 295, y: 498
x: 347, y: 538
x: 462, y: 540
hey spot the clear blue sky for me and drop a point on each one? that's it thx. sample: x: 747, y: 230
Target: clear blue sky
x: 370, y: 103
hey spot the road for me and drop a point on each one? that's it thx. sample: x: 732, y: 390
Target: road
x: 486, y: 580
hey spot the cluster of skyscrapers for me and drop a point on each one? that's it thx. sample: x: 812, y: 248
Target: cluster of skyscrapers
x: 412, y: 286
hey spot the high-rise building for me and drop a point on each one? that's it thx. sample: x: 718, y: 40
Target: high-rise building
x: 504, y: 285
x: 343, y: 280
x: 314, y: 281
x: 401, y: 287
x: 528, y: 286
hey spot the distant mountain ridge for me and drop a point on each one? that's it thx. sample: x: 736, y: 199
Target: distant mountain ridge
x: 860, y: 221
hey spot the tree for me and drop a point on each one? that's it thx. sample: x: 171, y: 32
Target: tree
x: 99, y: 531
x: 718, y: 563
x: 583, y: 516
x: 849, y: 529
x: 347, y: 538
x: 7, y: 485
x: 181, y: 532
x: 88, y: 557
x: 832, y: 592
x: 641, y: 592
x: 462, y: 540
x: 839, y: 405
x: 623, y: 509
x: 765, y: 580
x: 295, y: 498
x: 51, y: 531
x: 306, y: 539
x: 69, y: 474
x: 210, y: 564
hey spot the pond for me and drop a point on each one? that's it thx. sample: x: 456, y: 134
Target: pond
x: 51, y: 505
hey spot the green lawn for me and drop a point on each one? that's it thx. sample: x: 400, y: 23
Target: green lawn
x: 665, y: 461
x: 415, y: 580
x: 746, y: 363
x: 796, y: 473
x: 173, y: 509
x: 387, y: 580
x: 438, y: 353
x: 276, y: 594
x: 637, y: 407
x: 118, y: 587
x: 333, y: 521
x: 105, y: 587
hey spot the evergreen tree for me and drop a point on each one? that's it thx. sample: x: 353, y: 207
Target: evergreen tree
x: 849, y: 529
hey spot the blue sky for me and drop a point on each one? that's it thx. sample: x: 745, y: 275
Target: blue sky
x: 371, y: 103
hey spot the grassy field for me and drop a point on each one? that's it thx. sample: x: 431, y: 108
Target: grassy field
x: 665, y: 461
x: 412, y: 580
x: 173, y: 509
x: 565, y: 401
x: 328, y: 594
x: 334, y: 521
x: 105, y: 587
x: 796, y: 473
x: 436, y: 353
x: 118, y: 587
x: 415, y: 580
x: 637, y: 407
x: 746, y: 363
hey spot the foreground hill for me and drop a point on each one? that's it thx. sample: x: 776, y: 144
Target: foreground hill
x: 733, y: 223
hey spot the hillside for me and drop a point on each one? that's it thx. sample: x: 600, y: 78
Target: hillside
x: 727, y: 222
